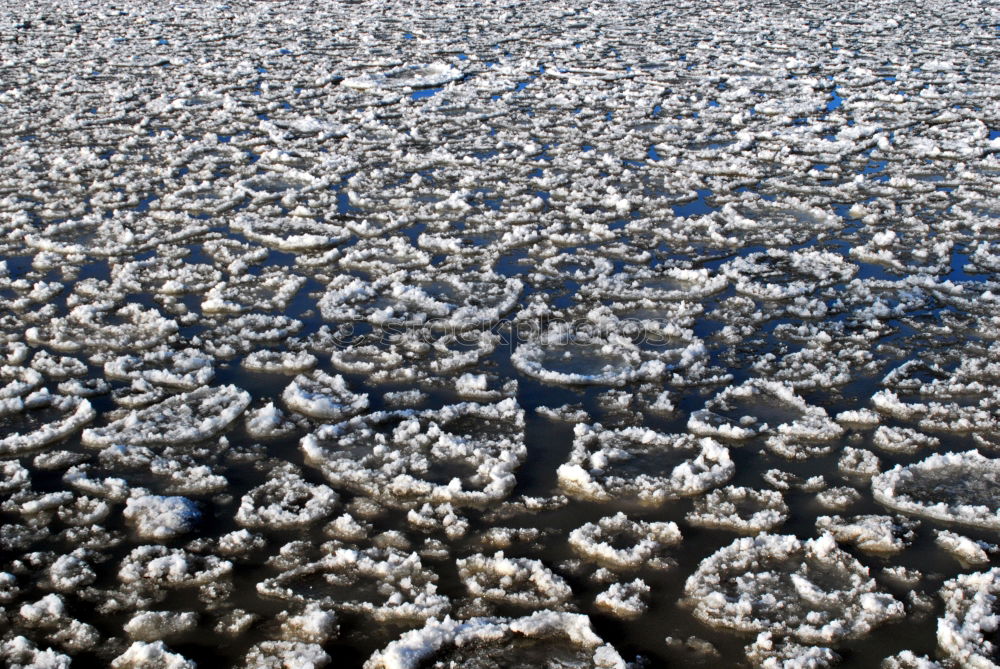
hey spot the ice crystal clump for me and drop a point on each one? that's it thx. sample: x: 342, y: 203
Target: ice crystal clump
x: 958, y: 488
x: 385, y: 584
x: 809, y: 590
x: 641, y: 465
x: 964, y: 631
x: 545, y: 636
x: 619, y: 543
x: 743, y: 510
x: 463, y: 453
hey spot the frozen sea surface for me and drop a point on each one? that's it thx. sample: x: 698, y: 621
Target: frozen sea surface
x: 396, y: 334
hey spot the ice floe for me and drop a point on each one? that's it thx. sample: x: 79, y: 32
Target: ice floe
x: 464, y: 454
x: 811, y: 590
x: 640, y: 465
x: 964, y: 631
x: 567, y: 637
x: 954, y: 488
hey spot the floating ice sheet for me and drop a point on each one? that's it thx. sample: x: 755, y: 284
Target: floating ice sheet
x: 809, y: 590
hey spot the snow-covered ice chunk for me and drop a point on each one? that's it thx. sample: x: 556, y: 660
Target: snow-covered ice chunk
x: 965, y: 630
x: 281, y: 654
x: 19, y: 652
x: 464, y: 454
x: 432, y: 74
x: 77, y: 413
x: 285, y: 501
x: 161, y: 518
x: 493, y: 641
x: 324, y: 397
x: 870, y: 533
x: 561, y: 356
x: 518, y: 582
x: 624, y: 600
x: 959, y: 488
x: 810, y: 590
x: 156, y: 655
x: 385, y: 584
x: 646, y: 544
x: 770, y: 653
x: 267, y: 422
x: 740, y: 509
x: 156, y: 625
x: 194, y: 416
x: 967, y: 551
x: 640, y: 465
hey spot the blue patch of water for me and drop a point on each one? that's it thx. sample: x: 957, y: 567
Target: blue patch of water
x: 959, y: 261
x: 145, y: 202
x: 697, y: 207
x: 836, y: 102
x: 344, y: 205
x: 653, y: 155
x: 425, y: 93
x: 544, y: 155
x: 876, y: 167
